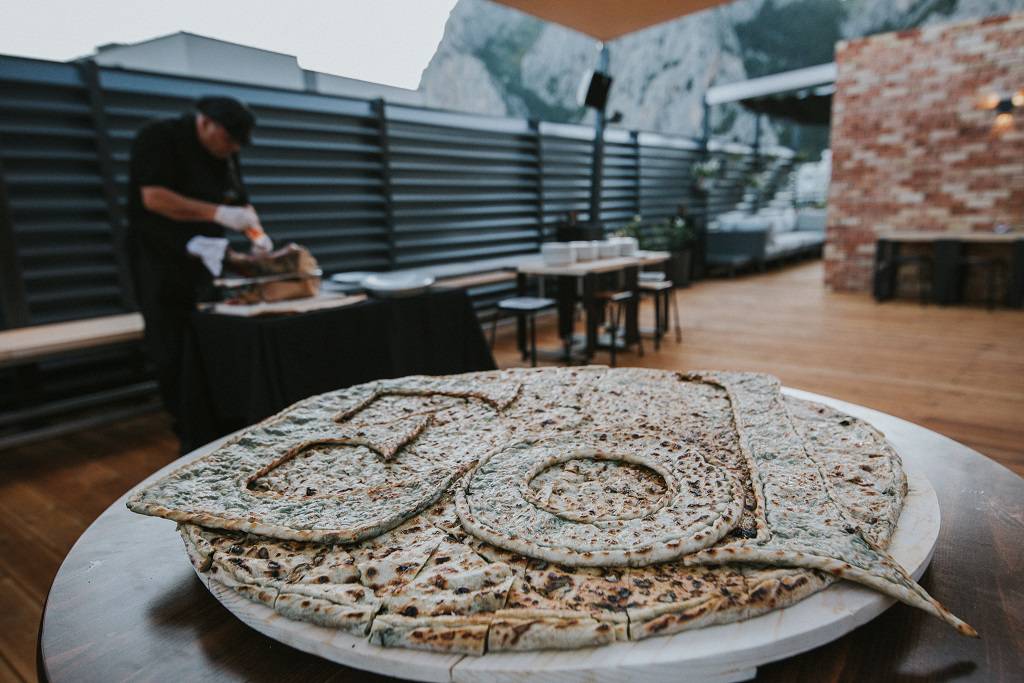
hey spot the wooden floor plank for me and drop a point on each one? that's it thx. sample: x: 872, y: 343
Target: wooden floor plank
x: 32, y: 571
x: 19, y: 625
x: 957, y: 370
x: 8, y: 674
x: 49, y: 493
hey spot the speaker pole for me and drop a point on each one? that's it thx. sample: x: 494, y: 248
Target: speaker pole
x: 597, y: 164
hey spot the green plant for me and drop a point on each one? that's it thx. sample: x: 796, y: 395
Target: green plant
x: 673, y: 234
x: 710, y: 168
x: 677, y: 233
x: 634, y: 229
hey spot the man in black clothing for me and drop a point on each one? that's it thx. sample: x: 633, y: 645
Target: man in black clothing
x: 185, y: 182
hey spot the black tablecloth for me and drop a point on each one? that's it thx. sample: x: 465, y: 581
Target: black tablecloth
x: 238, y: 371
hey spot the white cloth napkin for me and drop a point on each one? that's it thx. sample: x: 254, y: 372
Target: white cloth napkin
x: 210, y: 251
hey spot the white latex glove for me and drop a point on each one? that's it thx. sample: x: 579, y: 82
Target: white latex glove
x: 236, y: 218
x: 263, y: 244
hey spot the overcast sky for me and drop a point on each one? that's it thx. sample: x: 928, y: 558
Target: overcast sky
x: 387, y: 41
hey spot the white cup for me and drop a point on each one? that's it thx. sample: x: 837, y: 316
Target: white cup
x: 585, y: 251
x: 557, y: 253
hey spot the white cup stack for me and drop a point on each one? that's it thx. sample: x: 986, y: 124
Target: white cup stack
x: 607, y: 249
x: 627, y: 245
x: 558, y: 253
x: 585, y: 251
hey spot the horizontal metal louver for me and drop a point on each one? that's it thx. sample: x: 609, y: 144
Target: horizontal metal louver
x: 59, y: 220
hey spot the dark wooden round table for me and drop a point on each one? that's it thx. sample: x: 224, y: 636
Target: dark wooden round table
x: 126, y: 603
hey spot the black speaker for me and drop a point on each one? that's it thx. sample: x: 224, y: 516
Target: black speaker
x: 597, y: 91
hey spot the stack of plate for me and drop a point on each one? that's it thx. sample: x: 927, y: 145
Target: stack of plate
x: 347, y: 283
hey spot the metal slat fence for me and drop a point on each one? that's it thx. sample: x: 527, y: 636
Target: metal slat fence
x: 364, y: 184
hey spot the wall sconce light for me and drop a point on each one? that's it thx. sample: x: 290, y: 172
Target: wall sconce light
x: 1003, y: 106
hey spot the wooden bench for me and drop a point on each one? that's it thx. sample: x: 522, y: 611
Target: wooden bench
x: 478, y: 279
x: 21, y: 347
x: 29, y: 344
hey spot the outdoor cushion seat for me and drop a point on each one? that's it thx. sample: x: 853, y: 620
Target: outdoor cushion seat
x: 784, y: 244
x: 655, y: 285
x: 811, y: 220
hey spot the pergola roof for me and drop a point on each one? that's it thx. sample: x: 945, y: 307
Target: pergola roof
x: 803, y: 95
x: 607, y: 20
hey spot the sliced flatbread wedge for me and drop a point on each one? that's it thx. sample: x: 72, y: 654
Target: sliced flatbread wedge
x: 452, y: 635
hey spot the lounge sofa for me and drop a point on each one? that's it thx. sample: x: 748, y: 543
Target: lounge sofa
x: 737, y: 240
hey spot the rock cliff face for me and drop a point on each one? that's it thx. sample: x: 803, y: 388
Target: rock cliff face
x: 495, y: 60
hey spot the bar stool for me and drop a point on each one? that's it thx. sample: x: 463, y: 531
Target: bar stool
x: 664, y: 295
x: 992, y: 268
x: 924, y: 262
x: 615, y: 304
x: 525, y: 308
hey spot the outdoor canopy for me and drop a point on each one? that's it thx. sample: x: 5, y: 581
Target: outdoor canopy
x: 607, y: 20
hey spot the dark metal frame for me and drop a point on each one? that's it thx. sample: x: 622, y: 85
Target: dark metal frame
x: 12, y: 286
x: 90, y: 72
x: 380, y: 109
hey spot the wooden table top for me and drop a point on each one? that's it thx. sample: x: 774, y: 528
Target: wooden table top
x: 127, y: 604
x: 535, y: 265
x: 932, y: 236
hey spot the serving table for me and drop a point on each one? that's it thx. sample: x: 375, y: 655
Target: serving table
x: 579, y: 280
x: 947, y: 252
x: 126, y: 602
x: 239, y: 370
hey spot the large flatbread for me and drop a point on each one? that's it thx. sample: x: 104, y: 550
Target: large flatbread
x: 543, y: 509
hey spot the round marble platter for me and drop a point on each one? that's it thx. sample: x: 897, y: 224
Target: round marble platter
x: 721, y: 653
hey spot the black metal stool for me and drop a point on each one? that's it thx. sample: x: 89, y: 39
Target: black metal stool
x: 665, y: 306
x: 993, y: 268
x: 615, y: 303
x: 525, y: 309
x: 890, y: 268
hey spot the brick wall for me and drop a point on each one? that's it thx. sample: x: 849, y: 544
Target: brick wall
x: 911, y: 149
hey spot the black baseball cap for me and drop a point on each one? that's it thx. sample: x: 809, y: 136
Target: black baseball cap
x: 236, y: 118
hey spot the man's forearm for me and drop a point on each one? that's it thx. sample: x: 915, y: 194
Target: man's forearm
x: 172, y: 205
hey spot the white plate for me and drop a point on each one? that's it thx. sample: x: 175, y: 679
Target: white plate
x: 726, y: 652
x: 354, y: 277
x: 394, y: 285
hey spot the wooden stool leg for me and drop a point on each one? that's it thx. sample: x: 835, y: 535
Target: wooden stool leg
x: 657, y: 320
x: 494, y: 327
x: 613, y: 331
x: 523, y: 322
x: 532, y: 321
x: 675, y: 314
x: 639, y: 341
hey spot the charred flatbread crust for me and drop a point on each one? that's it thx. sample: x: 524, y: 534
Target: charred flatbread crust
x: 453, y: 635
x: 352, y: 617
x: 509, y: 633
